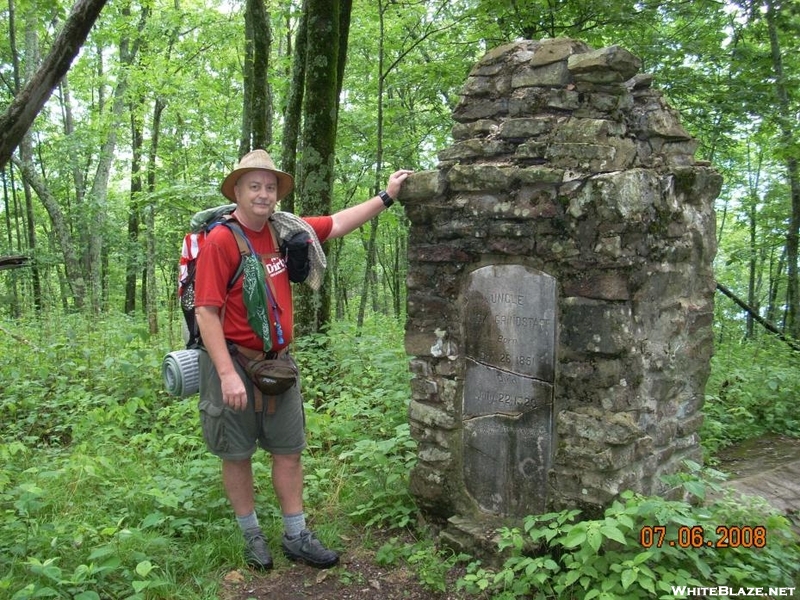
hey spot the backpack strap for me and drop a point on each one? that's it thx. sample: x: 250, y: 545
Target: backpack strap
x: 244, y: 250
x: 277, y: 254
x: 241, y: 242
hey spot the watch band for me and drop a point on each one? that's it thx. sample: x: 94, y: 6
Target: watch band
x: 386, y: 198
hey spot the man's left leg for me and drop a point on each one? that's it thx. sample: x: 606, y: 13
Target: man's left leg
x: 299, y: 544
x: 287, y: 478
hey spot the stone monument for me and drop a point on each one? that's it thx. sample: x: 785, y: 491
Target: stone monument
x: 560, y: 291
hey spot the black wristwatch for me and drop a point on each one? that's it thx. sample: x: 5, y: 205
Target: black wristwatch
x: 386, y: 198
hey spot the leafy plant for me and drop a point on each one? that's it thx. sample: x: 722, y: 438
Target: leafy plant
x: 556, y: 555
x: 752, y: 391
x: 431, y: 564
x: 106, y: 488
x: 359, y: 414
x: 104, y: 481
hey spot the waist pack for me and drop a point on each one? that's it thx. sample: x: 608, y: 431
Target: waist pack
x: 273, y: 376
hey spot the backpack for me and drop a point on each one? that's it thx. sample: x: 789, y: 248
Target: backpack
x: 294, y: 252
x: 201, y: 225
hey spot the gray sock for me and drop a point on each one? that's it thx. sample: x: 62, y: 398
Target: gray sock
x: 293, y: 525
x: 248, y: 521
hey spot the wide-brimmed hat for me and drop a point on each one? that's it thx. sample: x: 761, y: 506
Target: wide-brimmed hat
x: 257, y: 160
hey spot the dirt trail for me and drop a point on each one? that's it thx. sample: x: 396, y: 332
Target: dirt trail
x: 769, y: 467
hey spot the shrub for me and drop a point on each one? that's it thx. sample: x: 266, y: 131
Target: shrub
x: 752, y: 391
x: 641, y: 548
x: 106, y: 487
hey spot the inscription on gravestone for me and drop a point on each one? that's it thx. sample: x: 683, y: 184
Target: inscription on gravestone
x: 510, y: 340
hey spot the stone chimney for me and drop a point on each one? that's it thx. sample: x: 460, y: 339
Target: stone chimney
x: 560, y: 290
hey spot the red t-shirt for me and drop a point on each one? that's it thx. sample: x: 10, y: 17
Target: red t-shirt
x: 217, y: 263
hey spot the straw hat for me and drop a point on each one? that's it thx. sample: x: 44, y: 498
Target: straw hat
x: 255, y: 161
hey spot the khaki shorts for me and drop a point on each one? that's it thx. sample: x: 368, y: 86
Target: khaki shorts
x: 235, y: 435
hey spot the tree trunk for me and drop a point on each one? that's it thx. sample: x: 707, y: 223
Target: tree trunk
x: 369, y: 265
x: 345, y: 15
x: 26, y: 148
x: 752, y: 264
x: 99, y: 193
x: 787, y: 123
x: 134, y: 210
x: 257, y: 113
x: 26, y: 151
x: 19, y: 115
x: 9, y: 191
x: 369, y: 271
x: 318, y: 142
x: 340, y: 291
x: 294, y: 107
x: 774, y: 285
x: 754, y: 178
x: 752, y: 311
x: 14, y: 308
x: 392, y: 268
x: 399, y: 281
x: 61, y: 229
x: 69, y: 131
x: 151, y: 301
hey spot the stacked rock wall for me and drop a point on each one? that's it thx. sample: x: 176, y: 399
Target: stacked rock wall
x: 566, y: 167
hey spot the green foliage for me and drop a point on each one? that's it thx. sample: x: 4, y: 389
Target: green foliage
x: 752, y: 390
x: 715, y: 61
x: 49, y: 377
x: 105, y: 486
x: 107, y: 490
x: 359, y: 393
x: 639, y: 549
x: 431, y: 564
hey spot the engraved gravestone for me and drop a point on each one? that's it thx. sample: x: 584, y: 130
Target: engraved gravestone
x: 508, y: 390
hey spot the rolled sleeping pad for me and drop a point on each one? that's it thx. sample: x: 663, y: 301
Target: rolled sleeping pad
x: 181, y: 373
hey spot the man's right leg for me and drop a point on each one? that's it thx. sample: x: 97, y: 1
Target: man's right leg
x: 285, y: 437
x: 232, y: 433
x: 237, y: 477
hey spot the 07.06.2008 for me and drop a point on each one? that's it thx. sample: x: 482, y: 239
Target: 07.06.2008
x: 726, y: 536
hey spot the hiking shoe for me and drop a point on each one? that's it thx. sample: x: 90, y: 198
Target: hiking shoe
x: 308, y: 549
x: 256, y: 553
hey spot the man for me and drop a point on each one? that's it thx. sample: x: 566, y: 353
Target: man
x: 234, y: 420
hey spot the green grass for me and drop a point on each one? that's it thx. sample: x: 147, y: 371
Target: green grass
x: 558, y: 555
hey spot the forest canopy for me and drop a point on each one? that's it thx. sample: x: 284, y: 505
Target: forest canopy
x: 163, y: 98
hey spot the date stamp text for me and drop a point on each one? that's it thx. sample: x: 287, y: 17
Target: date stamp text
x: 697, y: 536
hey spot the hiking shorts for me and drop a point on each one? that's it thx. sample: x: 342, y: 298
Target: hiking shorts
x: 235, y: 435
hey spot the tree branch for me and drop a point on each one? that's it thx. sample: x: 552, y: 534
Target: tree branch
x: 21, y: 113
x: 753, y: 313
